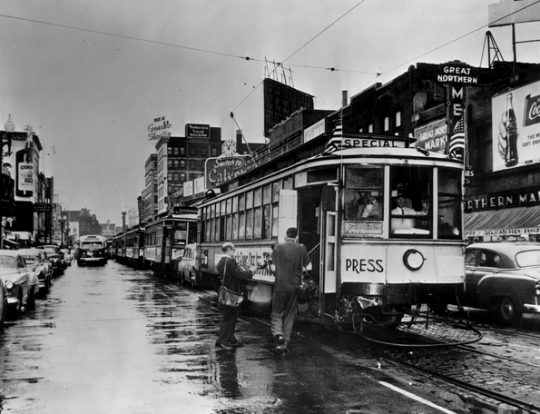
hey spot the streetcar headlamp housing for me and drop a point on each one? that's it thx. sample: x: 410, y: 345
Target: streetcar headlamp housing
x: 9, y: 285
x: 413, y: 259
x: 537, y: 289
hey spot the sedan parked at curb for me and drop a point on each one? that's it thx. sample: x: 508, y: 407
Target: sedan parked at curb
x: 36, y: 261
x: 55, y: 257
x: 21, y: 286
x: 504, y: 278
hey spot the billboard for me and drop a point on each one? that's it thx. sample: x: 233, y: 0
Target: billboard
x: 512, y: 12
x: 516, y: 127
x: 280, y: 101
x: 222, y: 169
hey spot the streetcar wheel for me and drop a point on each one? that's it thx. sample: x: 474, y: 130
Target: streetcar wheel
x: 387, y: 316
x: 508, y: 312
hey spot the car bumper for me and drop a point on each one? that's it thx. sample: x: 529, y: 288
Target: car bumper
x: 12, y: 302
x: 531, y: 308
x: 92, y: 259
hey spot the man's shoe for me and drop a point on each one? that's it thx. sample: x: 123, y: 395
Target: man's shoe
x: 280, y: 340
x: 224, y: 347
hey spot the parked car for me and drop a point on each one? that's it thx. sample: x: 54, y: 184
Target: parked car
x: 187, y: 265
x: 21, y: 286
x: 56, y: 258
x: 504, y: 278
x: 36, y: 260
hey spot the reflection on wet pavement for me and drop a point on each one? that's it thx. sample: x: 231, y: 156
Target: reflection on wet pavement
x: 116, y: 340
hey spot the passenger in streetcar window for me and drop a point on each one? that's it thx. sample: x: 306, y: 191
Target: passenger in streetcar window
x: 403, y: 209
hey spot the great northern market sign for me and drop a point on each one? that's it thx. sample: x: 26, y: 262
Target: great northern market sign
x: 528, y: 198
x: 458, y: 74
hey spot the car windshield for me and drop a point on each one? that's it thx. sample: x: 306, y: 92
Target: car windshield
x: 528, y: 258
x: 8, y: 262
x: 29, y: 259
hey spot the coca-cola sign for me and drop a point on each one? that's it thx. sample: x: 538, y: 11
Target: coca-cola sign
x: 516, y: 127
x: 532, y: 110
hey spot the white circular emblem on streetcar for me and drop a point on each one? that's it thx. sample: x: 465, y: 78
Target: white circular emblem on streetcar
x: 413, y: 259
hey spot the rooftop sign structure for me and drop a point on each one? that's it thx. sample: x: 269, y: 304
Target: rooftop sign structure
x: 157, y: 127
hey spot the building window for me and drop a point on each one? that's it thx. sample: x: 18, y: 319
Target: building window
x: 182, y: 163
x: 169, y: 150
x: 192, y: 164
x: 182, y: 151
x: 386, y: 124
x: 370, y: 128
x: 169, y: 176
x: 169, y: 163
x: 192, y: 151
x: 203, y: 151
x: 398, y: 119
x: 182, y: 177
x: 175, y: 150
x: 214, y: 152
x: 175, y: 163
x: 176, y: 177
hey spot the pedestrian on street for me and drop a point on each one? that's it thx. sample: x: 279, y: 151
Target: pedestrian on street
x: 289, y: 260
x: 231, y: 274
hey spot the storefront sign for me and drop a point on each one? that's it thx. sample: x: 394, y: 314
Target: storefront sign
x: 503, y: 232
x: 496, y: 201
x: 197, y: 131
x: 516, y: 127
x: 433, y: 136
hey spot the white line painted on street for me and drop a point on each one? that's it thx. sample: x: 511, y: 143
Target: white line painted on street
x: 416, y: 397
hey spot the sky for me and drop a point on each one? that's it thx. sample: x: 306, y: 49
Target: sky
x: 90, y: 76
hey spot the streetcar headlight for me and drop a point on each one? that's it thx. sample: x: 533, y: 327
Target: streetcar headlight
x: 537, y: 289
x: 413, y: 259
x: 9, y: 285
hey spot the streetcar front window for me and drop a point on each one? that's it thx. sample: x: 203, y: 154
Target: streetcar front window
x: 364, y: 193
x: 411, y: 193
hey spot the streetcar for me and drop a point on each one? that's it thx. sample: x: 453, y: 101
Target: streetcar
x: 134, y: 246
x: 91, y: 249
x: 165, y: 240
x: 381, y: 220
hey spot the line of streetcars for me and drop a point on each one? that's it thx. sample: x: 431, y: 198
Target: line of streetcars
x: 382, y: 222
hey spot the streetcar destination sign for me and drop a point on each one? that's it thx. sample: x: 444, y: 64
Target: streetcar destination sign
x: 369, y: 141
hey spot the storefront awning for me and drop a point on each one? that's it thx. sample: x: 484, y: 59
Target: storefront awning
x: 509, y: 221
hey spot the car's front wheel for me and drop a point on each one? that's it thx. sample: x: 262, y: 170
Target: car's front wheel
x: 508, y: 311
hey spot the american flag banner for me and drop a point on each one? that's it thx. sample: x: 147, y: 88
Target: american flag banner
x: 335, y: 143
x: 456, y: 143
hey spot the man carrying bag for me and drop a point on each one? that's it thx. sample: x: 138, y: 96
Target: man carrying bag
x: 231, y: 274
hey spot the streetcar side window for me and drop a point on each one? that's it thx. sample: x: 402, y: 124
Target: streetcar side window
x: 411, y: 192
x: 449, y: 215
x: 364, y: 193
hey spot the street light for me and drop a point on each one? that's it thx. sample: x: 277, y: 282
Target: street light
x: 5, y: 141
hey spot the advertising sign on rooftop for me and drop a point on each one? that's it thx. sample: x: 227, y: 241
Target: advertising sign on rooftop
x: 222, y: 169
x: 197, y: 131
x: 157, y: 127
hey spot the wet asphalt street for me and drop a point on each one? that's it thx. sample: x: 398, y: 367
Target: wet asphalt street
x: 117, y: 340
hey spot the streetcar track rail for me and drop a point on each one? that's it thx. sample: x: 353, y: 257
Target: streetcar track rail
x: 523, y: 405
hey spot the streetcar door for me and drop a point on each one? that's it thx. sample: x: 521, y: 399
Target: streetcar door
x: 330, y: 252
x: 288, y: 212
